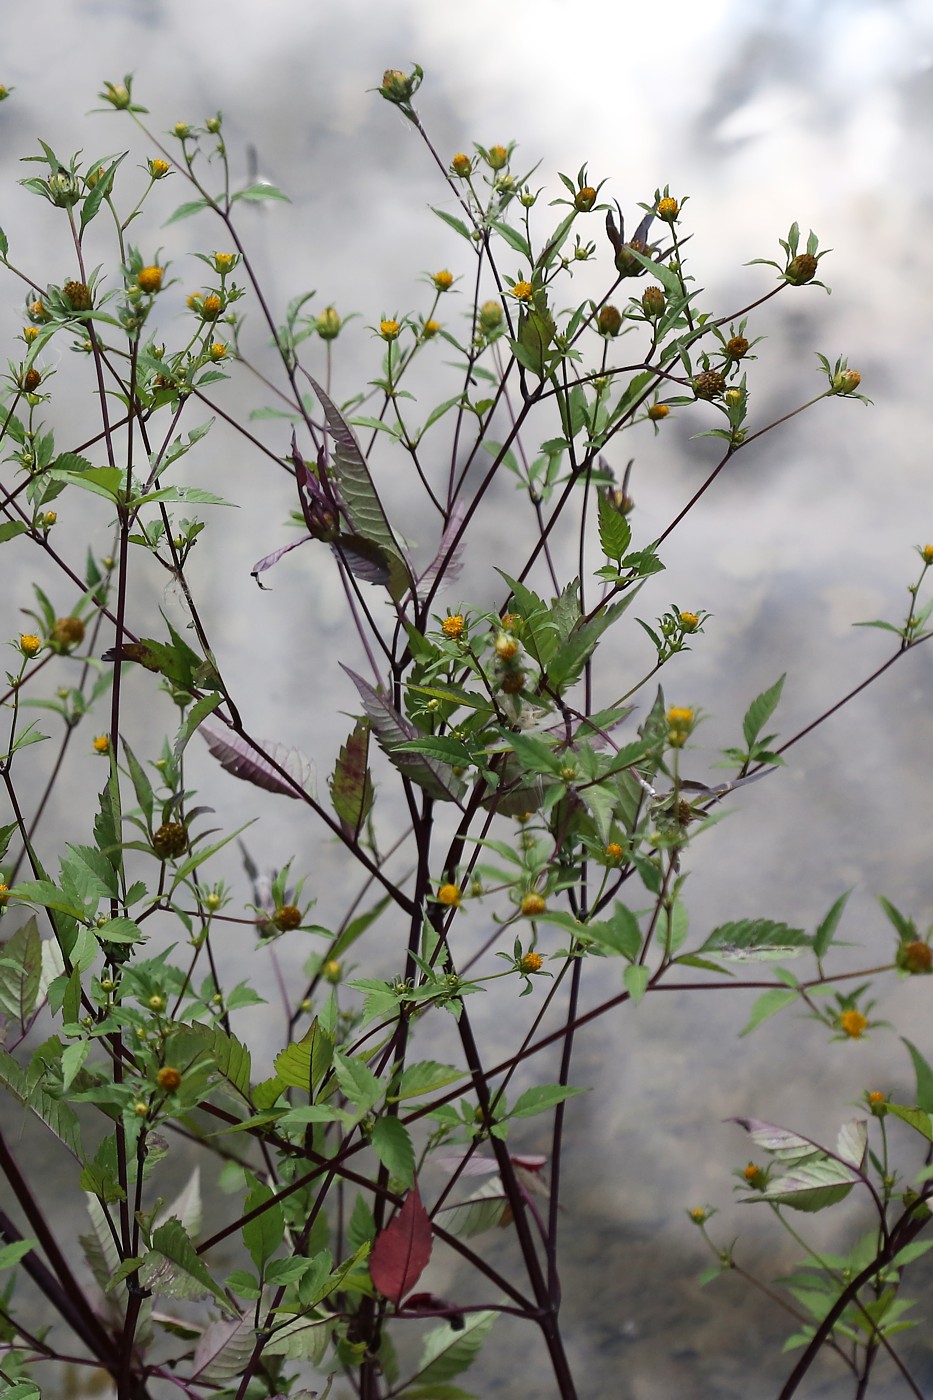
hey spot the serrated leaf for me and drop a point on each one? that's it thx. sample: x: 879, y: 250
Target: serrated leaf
x: 392, y: 1144
x: 423, y: 1078
x: 223, y: 1351
x: 185, y: 211
x: 303, y: 1064
x: 512, y: 236
x: 357, y: 1082
x: 401, y: 1252
x: 789, y: 1148
x: 262, y: 190
x: 916, y: 1118
x: 760, y: 711
x: 351, y: 786
x: 303, y: 1339
x: 756, y: 940
x: 58, y: 1116
x: 263, y: 1235
x: 20, y: 972
x: 173, y: 1267
x: 244, y: 761
x: 811, y: 1187
x: 10, y: 529
x: 615, y: 533
x: 362, y: 501
x: 436, y: 778
x: 636, y: 978
x: 448, y: 1352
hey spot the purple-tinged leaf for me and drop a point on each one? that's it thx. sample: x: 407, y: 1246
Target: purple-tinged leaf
x: 789, y: 1148
x: 435, y: 777
x: 351, y: 786
x: 253, y: 764
x: 363, y: 506
x: 364, y: 559
x: 275, y: 556
x: 401, y: 1252
x: 448, y: 561
x: 223, y: 1350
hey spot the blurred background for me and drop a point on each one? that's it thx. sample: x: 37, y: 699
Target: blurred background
x: 763, y: 113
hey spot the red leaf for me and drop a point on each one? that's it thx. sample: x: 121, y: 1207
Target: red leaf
x: 401, y: 1253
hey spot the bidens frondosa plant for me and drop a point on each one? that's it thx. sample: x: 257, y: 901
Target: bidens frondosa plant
x: 523, y: 820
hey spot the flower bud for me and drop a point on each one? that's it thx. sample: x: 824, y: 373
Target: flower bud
x: 531, y: 962
x: 158, y: 168
x: 328, y: 324
x: 657, y: 411
x: 497, y: 157
x: 64, y: 189
x: 732, y: 398
x: 584, y: 199
x: 737, y: 347
x: 846, y: 382
x: 653, y: 301
x: 801, y: 269
x: 399, y: 88
x: 609, y: 321
x: 915, y: 957
x: 490, y: 316
x: 461, y: 165
x: 168, y: 1078
x: 443, y: 280
x: 117, y: 95
x: 388, y: 330
x: 533, y: 904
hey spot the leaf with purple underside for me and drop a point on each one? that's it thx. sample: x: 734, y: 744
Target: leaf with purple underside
x: 435, y: 777
x: 239, y: 757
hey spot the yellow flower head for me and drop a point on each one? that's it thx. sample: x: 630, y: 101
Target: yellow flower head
x: 218, y: 350
x: 689, y: 621
x: 737, y: 347
x: 211, y: 307
x: 101, y: 744
x: 926, y: 554
x: 523, y: 291
x: 453, y: 626
x: 679, y: 725
x: 287, y: 917
x: 497, y: 156
x: 158, y: 169
x: 388, y: 330
x: 38, y: 312
x: 668, y: 209
x: 29, y: 643
x: 224, y: 261
x: 150, y: 279
x: 49, y: 519
x: 449, y: 895
x: 443, y: 280
x: 613, y: 851
x: 698, y: 1215
x: 533, y: 904
x: 430, y: 329
x: 168, y: 1078
x: 532, y: 962
x: 853, y: 1023
x: 507, y: 646
x: 461, y: 165
x: 30, y: 333
x: 140, y: 1109
x: 657, y: 411
x: 752, y: 1173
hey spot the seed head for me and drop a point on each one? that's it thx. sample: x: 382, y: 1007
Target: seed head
x: 513, y: 682
x: 287, y: 917
x: 737, y: 347
x: 168, y: 1078
x: 709, y: 384
x: 69, y: 631
x: 170, y: 840
x: 915, y: 957
x: 79, y: 295
x: 30, y: 381
x: 609, y: 320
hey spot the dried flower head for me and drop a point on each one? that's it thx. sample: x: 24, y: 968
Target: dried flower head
x: 168, y: 1078
x: 609, y: 320
x: 170, y: 840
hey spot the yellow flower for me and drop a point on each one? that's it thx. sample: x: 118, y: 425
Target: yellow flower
x: 853, y: 1023
x: 30, y: 333
x: 150, y: 279
x: 453, y: 625
x: 698, y: 1215
x: 443, y: 280
x: 430, y: 329
x: 140, y: 1109
x: 507, y: 647
x: 613, y: 851
x: 737, y: 347
x: 38, y: 312
x: 49, y: 519
x: 169, y: 1078
x: 523, y: 291
x: 532, y: 962
x: 158, y: 169
x: 218, y: 350
x: 497, y: 156
x: 679, y: 725
x: 752, y: 1173
x: 689, y: 621
x: 4, y: 892
x: 388, y: 330
x: 461, y: 165
x: 224, y: 261
x: 926, y: 554
x: 194, y: 301
x: 211, y: 308
x: 101, y: 744
x: 533, y: 904
x: 657, y: 411
x: 449, y: 895
x: 668, y: 209
x: 29, y: 643
x: 876, y: 1096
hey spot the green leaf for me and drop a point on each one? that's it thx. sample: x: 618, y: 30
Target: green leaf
x: 447, y: 1351
x: 263, y: 1235
x: 636, y: 978
x: 303, y: 1064
x: 924, y: 1078
x: 392, y: 1144
x: 811, y: 1187
x: 452, y: 222
x: 10, y: 1255
x: 49, y: 896
x: 756, y: 940
x: 351, y: 786
x: 615, y: 533
x: 257, y: 194
x: 541, y: 1098
x: 435, y: 777
x: 827, y: 929
x: 184, y: 211
x: 357, y: 1082
x: 10, y: 529
x: 57, y: 1115
x: 769, y: 1004
x: 760, y: 711
x: 190, y: 1276
x: 512, y: 236
x: 20, y: 972
x: 423, y: 1078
